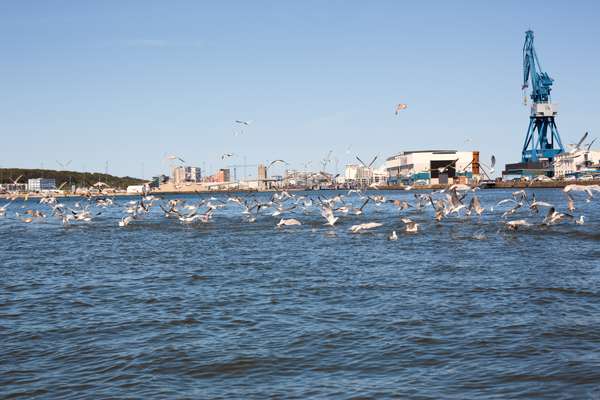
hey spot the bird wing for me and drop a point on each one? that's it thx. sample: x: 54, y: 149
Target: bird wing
x: 581, y: 140
x: 361, y: 161
x: 505, y: 201
x: 373, y: 161
x: 591, y: 143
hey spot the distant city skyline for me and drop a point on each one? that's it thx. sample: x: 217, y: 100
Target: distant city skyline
x: 129, y: 83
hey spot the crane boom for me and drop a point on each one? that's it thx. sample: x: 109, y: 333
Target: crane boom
x: 540, y: 81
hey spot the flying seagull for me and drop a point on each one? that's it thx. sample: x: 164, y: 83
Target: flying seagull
x: 364, y: 227
x: 370, y: 164
x: 239, y: 121
x: 288, y: 222
x: 173, y: 157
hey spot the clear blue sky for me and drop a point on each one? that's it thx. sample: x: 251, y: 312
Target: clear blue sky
x: 130, y: 81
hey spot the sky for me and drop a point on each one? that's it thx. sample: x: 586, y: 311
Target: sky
x: 118, y: 85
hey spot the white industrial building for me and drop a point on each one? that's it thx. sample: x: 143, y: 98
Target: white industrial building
x: 356, y: 173
x: 431, y: 166
x: 577, y: 163
x: 41, y: 184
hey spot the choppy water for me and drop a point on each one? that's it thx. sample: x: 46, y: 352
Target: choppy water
x: 232, y: 309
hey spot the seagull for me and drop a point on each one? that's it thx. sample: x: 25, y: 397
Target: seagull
x: 570, y: 203
x: 359, y: 211
x: 4, y: 208
x: 411, y: 226
x: 393, y: 236
x: 516, y: 224
x: 226, y: 155
x: 364, y: 227
x: 475, y: 205
x: 535, y: 204
x: 280, y: 210
x: 126, y: 220
x: 288, y: 222
x: 401, y: 204
x: 554, y: 216
x: 370, y: 164
x: 173, y: 157
x: 581, y: 220
x: 582, y: 188
x: 246, y: 123
x: 327, y: 213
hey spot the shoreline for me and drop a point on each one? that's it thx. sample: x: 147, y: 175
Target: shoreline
x: 483, y: 186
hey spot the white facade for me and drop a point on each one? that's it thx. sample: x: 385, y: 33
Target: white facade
x: 428, y: 165
x: 40, y: 184
x: 577, y: 162
x: 358, y: 173
x: 138, y: 189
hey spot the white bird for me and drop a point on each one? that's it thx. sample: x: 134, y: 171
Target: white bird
x: 475, y: 205
x: 581, y: 220
x: 4, y: 208
x: 125, y: 221
x: 393, y: 236
x: 516, y: 224
x: 174, y: 157
x: 411, y: 226
x: 288, y: 222
x: 554, y: 216
x: 364, y: 227
x: 327, y: 213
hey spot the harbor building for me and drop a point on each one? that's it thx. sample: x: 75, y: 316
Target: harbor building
x: 577, y: 164
x: 193, y: 174
x: 223, y: 175
x: 262, y: 177
x: 183, y: 174
x: 432, y: 166
x: 13, y: 187
x: 41, y: 184
x: 358, y: 174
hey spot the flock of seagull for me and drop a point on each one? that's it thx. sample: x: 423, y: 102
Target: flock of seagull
x: 456, y: 201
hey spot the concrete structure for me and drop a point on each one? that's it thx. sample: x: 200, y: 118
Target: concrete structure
x: 193, y: 174
x: 136, y: 189
x: 183, y: 174
x: 379, y: 175
x: 158, y: 180
x: 222, y: 175
x: 41, y: 184
x: 430, y: 166
x: 358, y: 174
x: 13, y: 187
x: 178, y: 174
x: 262, y: 177
x: 577, y: 164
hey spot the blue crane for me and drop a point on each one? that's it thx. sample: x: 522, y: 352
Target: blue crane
x: 542, y: 140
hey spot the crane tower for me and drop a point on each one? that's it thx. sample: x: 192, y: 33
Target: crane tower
x: 542, y: 141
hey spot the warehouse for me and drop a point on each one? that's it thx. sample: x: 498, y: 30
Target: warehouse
x: 432, y: 166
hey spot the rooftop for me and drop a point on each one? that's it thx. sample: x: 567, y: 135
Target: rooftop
x: 405, y: 153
